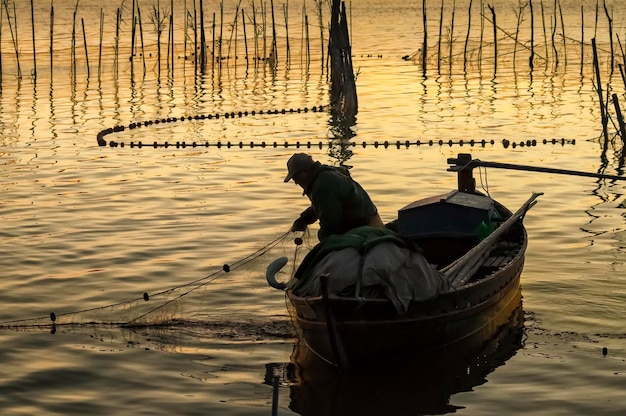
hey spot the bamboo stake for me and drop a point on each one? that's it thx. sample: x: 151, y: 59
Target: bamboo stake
x: 556, y: 53
x: 286, y: 13
x: 32, y: 20
x: 203, y: 39
x: 482, y: 34
x: 582, y: 39
x: 308, y: 46
x: 596, y: 66
x: 73, y: 50
x: 620, y: 119
x: 545, y: 33
x: 256, y: 35
x: 13, y: 36
x: 82, y: 21
x: 610, y: 20
x: 531, y: 59
x: 469, y: 25
x: 451, y: 35
x: 440, y: 36
x: 172, y: 32
x: 563, y: 34
x: 425, y: 38
x: 51, y: 39
x: 100, y: 44
x: 245, y: 37
x: 320, y: 20
x: 221, y: 39
x: 132, y: 34
x: 1, y: 51
x: 274, y: 53
x: 495, y: 39
x: 143, y: 50
x: 519, y: 21
x: 117, y: 41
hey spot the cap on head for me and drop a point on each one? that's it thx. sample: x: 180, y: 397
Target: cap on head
x: 297, y: 163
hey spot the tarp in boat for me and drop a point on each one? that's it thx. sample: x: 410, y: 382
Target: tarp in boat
x: 370, y: 262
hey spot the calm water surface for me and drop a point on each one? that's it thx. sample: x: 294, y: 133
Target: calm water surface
x: 85, y: 227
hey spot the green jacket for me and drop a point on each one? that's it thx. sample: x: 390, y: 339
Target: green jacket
x: 339, y: 202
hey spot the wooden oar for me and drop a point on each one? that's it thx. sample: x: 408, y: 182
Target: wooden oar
x: 459, y: 272
x: 477, y: 162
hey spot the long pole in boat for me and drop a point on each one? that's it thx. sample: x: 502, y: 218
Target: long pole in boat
x: 464, y: 165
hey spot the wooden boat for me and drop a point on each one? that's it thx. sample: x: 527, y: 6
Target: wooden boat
x: 413, y: 385
x: 349, y: 331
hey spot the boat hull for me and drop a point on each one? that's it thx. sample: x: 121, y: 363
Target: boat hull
x: 348, y: 332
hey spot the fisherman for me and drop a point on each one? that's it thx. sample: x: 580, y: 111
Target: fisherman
x: 338, y: 201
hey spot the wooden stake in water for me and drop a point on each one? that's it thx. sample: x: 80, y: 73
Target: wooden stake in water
x: 531, y: 59
x: 603, y: 114
x: 610, y: 20
x: 51, y: 38
x: 620, y: 119
x: 495, y: 38
x: 469, y: 25
x: 245, y: 37
x: 100, y: 45
x: 440, y: 37
x: 425, y: 43
x: 32, y: 21
x: 82, y: 21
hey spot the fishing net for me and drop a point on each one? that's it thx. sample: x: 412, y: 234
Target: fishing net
x: 186, y: 304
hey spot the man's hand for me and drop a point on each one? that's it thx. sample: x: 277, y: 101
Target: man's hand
x: 299, y: 225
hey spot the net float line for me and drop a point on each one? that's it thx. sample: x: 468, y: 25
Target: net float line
x: 398, y: 144
x: 227, y: 115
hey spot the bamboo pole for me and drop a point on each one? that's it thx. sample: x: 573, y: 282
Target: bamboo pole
x: 172, y: 32
x: 556, y: 53
x: 32, y: 20
x: 1, y: 51
x: 482, y: 34
x: 563, y: 33
x: 596, y: 66
x: 82, y: 21
x: 256, y: 35
x: 132, y: 34
x: 245, y: 35
x: 610, y: 21
x: 286, y: 13
x: 13, y: 37
x: 451, y: 35
x: 469, y: 25
x: 100, y: 44
x: 203, y: 40
x: 440, y: 37
x: 495, y: 38
x: 620, y: 119
x: 519, y: 22
x: 425, y: 44
x: 582, y: 39
x: 143, y: 50
x: 320, y: 20
x: 545, y: 33
x: 531, y: 59
x: 221, y: 38
x: 274, y: 53
x: 51, y: 39
x: 117, y: 41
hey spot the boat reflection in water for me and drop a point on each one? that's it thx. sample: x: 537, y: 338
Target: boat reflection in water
x: 407, y: 386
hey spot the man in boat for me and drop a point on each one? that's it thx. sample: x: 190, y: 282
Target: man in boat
x: 337, y: 200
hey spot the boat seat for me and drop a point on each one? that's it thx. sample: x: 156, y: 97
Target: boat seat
x: 496, y: 261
